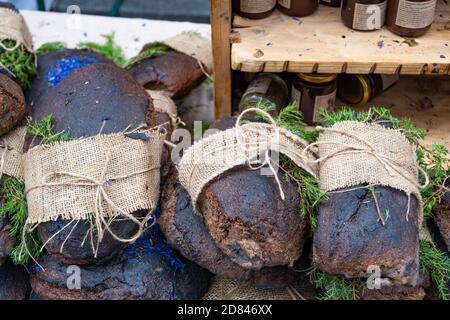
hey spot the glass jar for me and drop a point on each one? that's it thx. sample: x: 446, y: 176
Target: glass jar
x: 254, y: 9
x: 364, y: 15
x: 298, y: 8
x: 313, y: 92
x: 268, y: 92
x: 410, y: 18
x: 358, y: 89
x: 331, y: 3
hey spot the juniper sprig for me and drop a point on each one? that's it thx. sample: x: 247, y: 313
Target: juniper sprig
x: 109, y: 49
x: 51, y: 47
x: 152, y: 51
x: 20, y: 62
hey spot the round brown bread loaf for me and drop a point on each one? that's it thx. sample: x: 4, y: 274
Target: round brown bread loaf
x: 185, y: 230
x: 12, y: 104
x: 138, y: 276
x: 174, y: 72
x: 97, y: 94
x: 249, y: 221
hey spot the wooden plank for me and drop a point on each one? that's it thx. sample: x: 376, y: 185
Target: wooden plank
x: 221, y: 15
x: 424, y: 99
x: 322, y: 43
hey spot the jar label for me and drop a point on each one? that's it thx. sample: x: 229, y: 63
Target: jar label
x: 296, y: 96
x: 259, y: 86
x: 389, y: 80
x: 415, y: 15
x: 369, y: 16
x: 323, y: 102
x: 327, y: 1
x: 257, y: 6
x: 285, y: 3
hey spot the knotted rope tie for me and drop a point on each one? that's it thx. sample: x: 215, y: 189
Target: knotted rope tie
x: 267, y: 158
x: 101, y: 197
x: 392, y: 167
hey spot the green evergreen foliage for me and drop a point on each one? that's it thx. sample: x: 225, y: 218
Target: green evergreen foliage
x: 19, y: 61
x: 109, y: 49
x: 152, y: 51
x: 438, y: 265
x: 15, y: 205
x: 51, y: 47
x: 338, y: 287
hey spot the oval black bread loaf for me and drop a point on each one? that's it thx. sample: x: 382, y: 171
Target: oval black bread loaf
x: 7, y: 243
x: 185, y: 230
x: 173, y: 72
x: 50, y: 63
x: 133, y: 275
x: 14, y: 282
x: 442, y: 217
x: 99, y: 96
x: 248, y: 220
x: 350, y: 238
x: 399, y: 291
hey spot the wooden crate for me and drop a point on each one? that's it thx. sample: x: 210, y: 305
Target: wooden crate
x: 321, y: 43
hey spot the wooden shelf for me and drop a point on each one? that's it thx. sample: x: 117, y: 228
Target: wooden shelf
x: 425, y: 100
x: 321, y: 43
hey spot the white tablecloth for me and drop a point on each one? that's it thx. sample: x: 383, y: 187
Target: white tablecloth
x: 131, y: 34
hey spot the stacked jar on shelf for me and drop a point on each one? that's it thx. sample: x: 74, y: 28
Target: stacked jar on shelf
x: 406, y: 18
x: 313, y: 92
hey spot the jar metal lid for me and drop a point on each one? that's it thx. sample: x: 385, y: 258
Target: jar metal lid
x: 356, y: 92
x: 317, y: 77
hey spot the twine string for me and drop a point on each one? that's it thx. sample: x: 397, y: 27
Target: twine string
x: 101, y: 199
x: 391, y: 165
x: 274, y: 146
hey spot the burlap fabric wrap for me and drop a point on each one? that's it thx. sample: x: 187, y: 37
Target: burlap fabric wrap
x: 14, y: 27
x: 163, y: 103
x: 226, y: 289
x: 354, y: 153
x: 11, y: 153
x: 215, y: 154
x: 189, y: 43
x: 98, y: 179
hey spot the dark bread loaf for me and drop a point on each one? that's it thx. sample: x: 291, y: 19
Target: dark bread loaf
x: 40, y: 85
x: 174, y: 72
x: 185, y: 230
x: 7, y: 243
x: 249, y: 221
x: 399, y: 291
x: 14, y: 282
x: 149, y: 276
x: 12, y: 104
x: 80, y: 103
x: 350, y: 238
x: 442, y: 217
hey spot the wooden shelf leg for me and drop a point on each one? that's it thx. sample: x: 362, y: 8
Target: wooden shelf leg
x: 221, y: 15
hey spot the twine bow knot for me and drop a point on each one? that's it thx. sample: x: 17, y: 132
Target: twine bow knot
x: 101, y: 198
